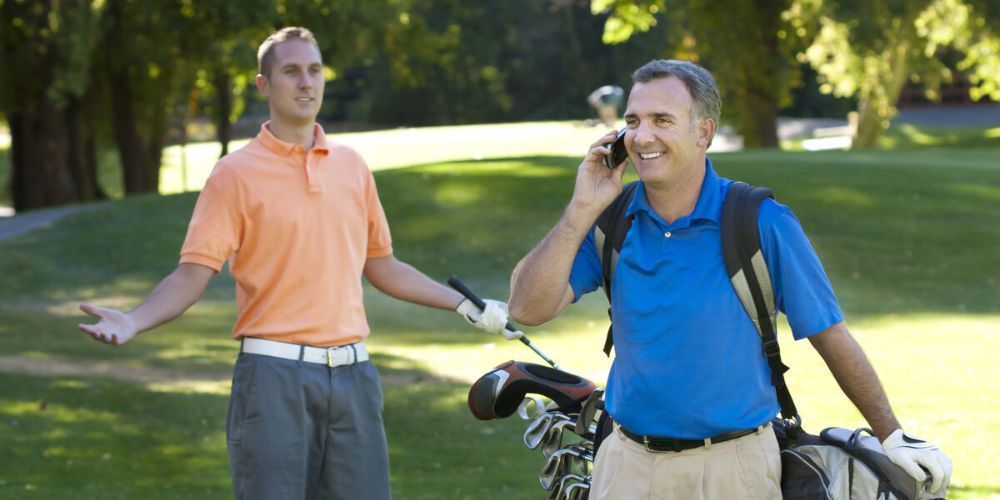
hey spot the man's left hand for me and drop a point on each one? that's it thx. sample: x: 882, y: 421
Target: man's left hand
x: 919, y: 459
x: 492, y: 319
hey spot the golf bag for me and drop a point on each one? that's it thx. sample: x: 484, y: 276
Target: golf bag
x: 841, y: 464
x: 837, y: 464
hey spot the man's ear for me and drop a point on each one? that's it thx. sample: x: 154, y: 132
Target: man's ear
x: 706, y: 130
x: 263, y: 85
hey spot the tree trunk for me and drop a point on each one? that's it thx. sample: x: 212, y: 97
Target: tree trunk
x: 759, y: 103
x: 750, y: 77
x: 759, y: 118
x: 223, y: 108
x: 82, y: 150
x: 156, y: 135
x: 39, y: 173
x: 131, y: 148
x: 877, y: 102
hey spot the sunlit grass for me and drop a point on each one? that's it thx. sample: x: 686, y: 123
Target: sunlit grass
x: 908, y: 238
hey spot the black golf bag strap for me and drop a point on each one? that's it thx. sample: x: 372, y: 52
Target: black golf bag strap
x: 609, y: 234
x: 751, y: 280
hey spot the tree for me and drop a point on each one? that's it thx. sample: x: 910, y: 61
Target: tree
x: 493, y: 60
x: 46, y: 50
x: 871, y: 48
x: 743, y: 42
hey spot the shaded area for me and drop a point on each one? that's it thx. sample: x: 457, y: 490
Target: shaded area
x: 97, y: 438
x: 94, y: 438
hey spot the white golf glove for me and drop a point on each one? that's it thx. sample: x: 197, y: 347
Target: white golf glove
x: 492, y: 319
x: 919, y: 459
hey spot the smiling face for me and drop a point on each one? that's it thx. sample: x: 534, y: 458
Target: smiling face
x: 294, y: 89
x: 666, y: 145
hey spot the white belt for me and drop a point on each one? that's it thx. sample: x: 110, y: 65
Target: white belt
x: 329, y: 356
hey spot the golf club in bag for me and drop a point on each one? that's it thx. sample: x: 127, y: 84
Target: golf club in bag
x: 564, y: 429
x: 576, y: 406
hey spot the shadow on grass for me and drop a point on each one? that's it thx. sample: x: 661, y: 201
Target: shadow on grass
x: 895, y: 238
x: 98, y: 438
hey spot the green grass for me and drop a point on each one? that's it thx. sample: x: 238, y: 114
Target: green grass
x: 909, y: 239
x: 185, y: 169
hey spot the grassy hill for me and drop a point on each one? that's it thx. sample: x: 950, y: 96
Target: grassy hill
x: 909, y: 238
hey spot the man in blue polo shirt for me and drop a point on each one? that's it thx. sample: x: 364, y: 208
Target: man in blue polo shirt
x: 689, y: 363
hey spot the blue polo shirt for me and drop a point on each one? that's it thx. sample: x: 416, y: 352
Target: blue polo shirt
x: 689, y: 362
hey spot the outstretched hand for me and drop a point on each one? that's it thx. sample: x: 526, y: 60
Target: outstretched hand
x: 114, y: 327
x: 596, y: 184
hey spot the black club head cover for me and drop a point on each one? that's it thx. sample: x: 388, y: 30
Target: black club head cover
x: 498, y: 393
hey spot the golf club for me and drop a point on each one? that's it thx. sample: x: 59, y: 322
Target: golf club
x: 552, y: 439
x: 537, y: 429
x: 469, y: 294
x: 577, y: 491
x: 559, y: 464
x: 567, y: 482
x: 531, y: 407
x: 588, y: 411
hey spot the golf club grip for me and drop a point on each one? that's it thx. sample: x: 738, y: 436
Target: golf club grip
x: 464, y: 290
x: 469, y: 294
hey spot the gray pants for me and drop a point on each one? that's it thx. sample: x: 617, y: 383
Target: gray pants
x: 300, y: 430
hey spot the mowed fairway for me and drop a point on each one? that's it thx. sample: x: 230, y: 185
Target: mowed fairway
x: 910, y: 239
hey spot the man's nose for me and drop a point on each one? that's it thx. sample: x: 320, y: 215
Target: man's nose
x: 643, y: 136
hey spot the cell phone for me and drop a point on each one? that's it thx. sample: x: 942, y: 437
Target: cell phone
x: 618, y: 152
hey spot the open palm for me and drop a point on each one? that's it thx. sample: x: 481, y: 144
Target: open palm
x: 114, y: 327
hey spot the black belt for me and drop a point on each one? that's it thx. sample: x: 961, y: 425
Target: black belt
x: 662, y: 444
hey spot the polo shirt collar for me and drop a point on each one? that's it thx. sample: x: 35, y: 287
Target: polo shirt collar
x: 282, y: 148
x: 708, y: 207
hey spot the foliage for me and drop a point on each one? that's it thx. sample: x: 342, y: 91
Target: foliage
x: 741, y: 42
x: 455, y: 62
x: 870, y: 49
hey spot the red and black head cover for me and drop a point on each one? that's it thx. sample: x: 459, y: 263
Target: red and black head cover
x: 498, y: 393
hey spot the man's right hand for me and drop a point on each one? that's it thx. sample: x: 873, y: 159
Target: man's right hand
x: 596, y: 185
x: 114, y: 327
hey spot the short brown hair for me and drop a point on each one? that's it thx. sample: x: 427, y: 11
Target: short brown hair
x: 265, y: 54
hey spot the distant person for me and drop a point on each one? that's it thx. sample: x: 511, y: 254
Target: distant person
x: 299, y: 220
x: 690, y: 389
x: 607, y: 100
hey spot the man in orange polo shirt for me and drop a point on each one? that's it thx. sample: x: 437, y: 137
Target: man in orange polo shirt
x: 299, y: 221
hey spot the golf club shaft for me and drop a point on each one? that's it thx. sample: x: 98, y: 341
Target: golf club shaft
x: 469, y: 294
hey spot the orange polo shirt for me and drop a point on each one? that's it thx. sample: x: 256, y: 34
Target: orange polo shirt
x: 296, y: 227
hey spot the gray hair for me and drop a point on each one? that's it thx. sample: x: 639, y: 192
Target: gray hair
x: 699, y: 83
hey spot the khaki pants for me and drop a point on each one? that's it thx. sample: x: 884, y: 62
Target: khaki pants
x: 746, y: 467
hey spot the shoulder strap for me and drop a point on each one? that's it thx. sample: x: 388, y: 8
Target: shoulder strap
x: 612, y: 226
x: 751, y: 280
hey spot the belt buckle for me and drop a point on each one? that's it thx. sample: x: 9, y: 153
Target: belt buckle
x: 645, y: 443
x: 331, y: 350
x: 673, y: 446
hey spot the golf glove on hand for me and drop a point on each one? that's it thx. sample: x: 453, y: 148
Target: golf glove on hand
x: 492, y: 319
x: 919, y: 459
